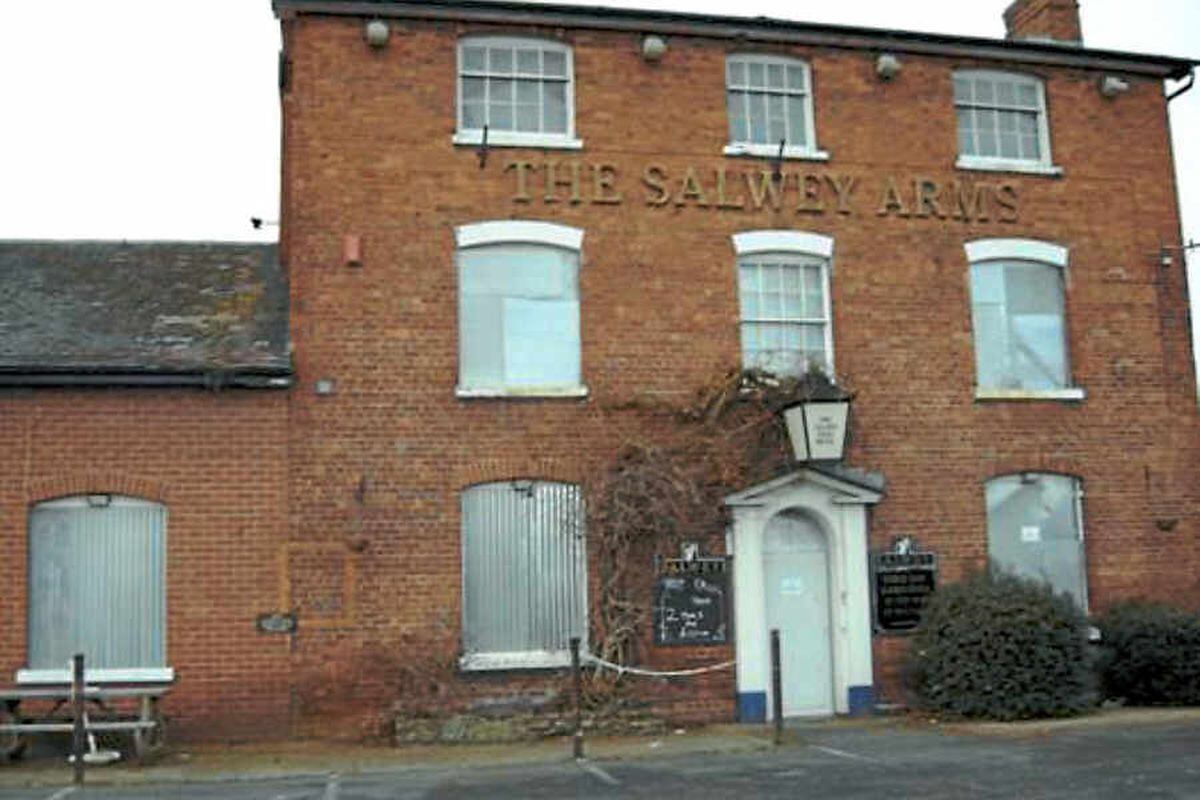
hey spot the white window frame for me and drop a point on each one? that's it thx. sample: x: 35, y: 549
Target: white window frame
x: 524, y: 659
x: 1044, y: 165
x: 789, y: 243
x: 549, y: 234
x: 1080, y: 526
x: 495, y: 138
x: 809, y: 151
x: 1033, y: 251
x: 103, y: 675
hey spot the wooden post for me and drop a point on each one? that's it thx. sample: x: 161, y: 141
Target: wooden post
x: 776, y: 687
x: 78, y: 733
x: 578, y: 738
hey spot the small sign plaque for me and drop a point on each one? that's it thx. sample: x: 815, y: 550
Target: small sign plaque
x: 276, y: 622
x: 903, y: 581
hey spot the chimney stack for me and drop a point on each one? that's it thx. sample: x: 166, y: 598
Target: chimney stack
x: 1044, y: 21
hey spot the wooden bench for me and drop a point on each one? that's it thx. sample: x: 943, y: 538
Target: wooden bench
x: 147, y: 726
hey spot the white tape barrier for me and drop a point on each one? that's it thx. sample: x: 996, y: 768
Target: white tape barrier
x: 649, y: 673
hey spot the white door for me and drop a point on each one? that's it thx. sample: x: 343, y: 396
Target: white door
x: 796, y: 566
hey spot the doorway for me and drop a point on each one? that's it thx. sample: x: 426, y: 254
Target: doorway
x: 796, y: 572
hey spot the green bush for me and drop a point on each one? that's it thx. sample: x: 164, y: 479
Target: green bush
x: 996, y: 646
x: 1150, y: 654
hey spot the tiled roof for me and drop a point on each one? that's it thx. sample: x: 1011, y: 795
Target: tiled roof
x: 142, y: 307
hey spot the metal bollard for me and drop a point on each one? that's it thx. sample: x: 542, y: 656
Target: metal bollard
x: 78, y: 733
x: 578, y: 738
x: 776, y: 687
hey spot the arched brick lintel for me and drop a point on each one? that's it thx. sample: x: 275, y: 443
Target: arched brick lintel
x: 66, y: 485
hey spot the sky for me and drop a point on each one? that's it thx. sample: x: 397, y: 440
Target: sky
x: 159, y: 119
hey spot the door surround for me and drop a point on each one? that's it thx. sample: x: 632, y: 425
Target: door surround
x: 837, y: 499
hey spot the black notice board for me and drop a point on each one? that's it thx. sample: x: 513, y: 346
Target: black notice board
x: 691, y: 604
x: 902, y: 584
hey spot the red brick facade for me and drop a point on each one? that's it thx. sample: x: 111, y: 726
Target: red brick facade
x: 369, y: 153
x: 344, y: 505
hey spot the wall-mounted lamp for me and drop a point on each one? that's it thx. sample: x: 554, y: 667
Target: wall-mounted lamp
x: 887, y: 66
x: 376, y: 33
x: 653, y: 48
x: 1111, y: 86
x: 817, y: 421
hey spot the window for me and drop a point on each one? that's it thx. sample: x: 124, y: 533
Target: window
x: 521, y: 90
x: 1002, y: 122
x: 783, y: 292
x: 1034, y: 530
x: 524, y: 574
x: 770, y: 102
x: 97, y: 571
x: 1017, y: 300
x: 518, y: 311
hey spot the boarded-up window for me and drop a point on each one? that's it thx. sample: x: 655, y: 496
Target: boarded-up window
x: 1034, y: 530
x: 524, y: 574
x: 97, y: 569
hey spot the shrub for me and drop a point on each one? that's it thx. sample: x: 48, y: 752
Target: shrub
x: 996, y: 646
x: 1150, y: 654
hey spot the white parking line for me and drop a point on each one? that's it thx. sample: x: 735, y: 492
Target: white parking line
x: 844, y: 754
x: 332, y: 788
x: 65, y: 792
x: 596, y: 772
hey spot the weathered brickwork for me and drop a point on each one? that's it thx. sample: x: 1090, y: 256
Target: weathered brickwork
x: 218, y: 463
x: 343, y: 503
x: 368, y: 153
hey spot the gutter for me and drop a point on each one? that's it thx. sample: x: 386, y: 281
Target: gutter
x: 213, y: 380
x: 758, y: 29
x: 1182, y: 89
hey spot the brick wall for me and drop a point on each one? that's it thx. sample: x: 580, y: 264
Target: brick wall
x: 218, y: 463
x: 368, y: 152
x: 345, y: 506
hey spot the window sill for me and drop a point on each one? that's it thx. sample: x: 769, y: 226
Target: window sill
x: 533, y: 392
x: 772, y: 151
x: 534, y: 659
x: 1074, y: 393
x: 1005, y: 165
x: 129, y: 675
x: 514, y: 139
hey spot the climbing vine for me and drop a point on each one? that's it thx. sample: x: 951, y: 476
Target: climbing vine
x: 668, y: 486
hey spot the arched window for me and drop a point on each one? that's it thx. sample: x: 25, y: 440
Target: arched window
x: 97, y: 586
x: 518, y: 310
x: 783, y: 294
x: 524, y: 566
x: 1017, y: 301
x: 1002, y: 122
x: 1034, y: 530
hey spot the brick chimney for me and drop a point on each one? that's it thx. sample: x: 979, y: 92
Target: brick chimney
x: 1044, y: 21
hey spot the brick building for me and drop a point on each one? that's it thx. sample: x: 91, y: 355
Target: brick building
x: 502, y: 223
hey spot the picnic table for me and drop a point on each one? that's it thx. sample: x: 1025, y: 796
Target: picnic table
x: 111, y: 709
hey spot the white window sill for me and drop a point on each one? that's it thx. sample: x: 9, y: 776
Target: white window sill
x: 533, y: 659
x: 466, y: 393
x: 1072, y: 393
x: 130, y: 675
x: 1006, y: 165
x: 772, y: 151
x: 516, y: 139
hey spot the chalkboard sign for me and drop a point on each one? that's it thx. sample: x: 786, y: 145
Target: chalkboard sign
x: 690, y: 605
x: 903, y: 582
